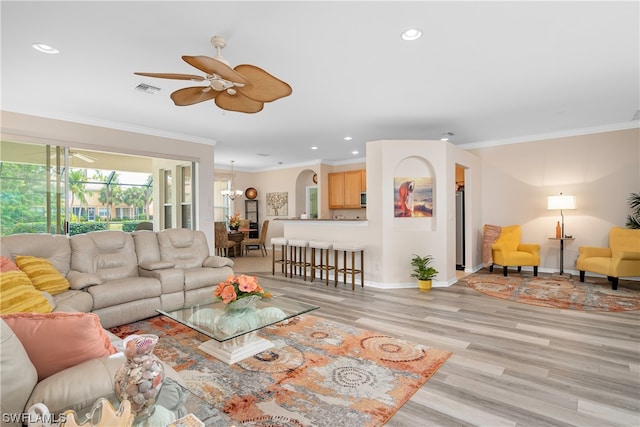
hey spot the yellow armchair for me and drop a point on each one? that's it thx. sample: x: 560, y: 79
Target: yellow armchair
x: 620, y: 259
x: 507, y: 250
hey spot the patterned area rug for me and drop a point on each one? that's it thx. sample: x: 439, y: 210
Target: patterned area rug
x: 319, y: 373
x: 556, y: 291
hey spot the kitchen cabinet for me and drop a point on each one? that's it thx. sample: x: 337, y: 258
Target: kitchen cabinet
x: 345, y: 188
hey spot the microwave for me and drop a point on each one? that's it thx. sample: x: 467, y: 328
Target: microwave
x: 363, y: 199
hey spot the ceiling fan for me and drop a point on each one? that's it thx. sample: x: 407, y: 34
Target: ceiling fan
x: 244, y: 88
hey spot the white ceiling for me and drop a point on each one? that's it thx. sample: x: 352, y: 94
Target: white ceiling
x: 486, y: 71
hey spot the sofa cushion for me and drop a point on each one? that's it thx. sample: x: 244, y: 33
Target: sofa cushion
x: 19, y: 376
x: 53, y: 247
x: 42, y: 274
x: 122, y: 291
x: 56, y: 341
x: 108, y: 254
x: 17, y: 294
x: 73, y: 301
x: 186, y: 248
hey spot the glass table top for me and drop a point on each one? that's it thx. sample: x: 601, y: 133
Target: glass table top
x: 223, y: 322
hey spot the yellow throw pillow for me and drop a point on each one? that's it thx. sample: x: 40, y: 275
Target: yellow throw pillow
x: 44, y: 276
x: 17, y: 294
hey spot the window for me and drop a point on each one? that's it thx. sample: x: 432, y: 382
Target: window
x: 39, y: 182
x: 221, y: 204
x: 186, y: 191
x: 167, y: 191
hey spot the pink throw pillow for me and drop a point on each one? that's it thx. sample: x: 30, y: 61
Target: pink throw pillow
x: 57, y: 341
x: 7, y: 265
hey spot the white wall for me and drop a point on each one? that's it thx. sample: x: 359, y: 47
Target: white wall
x: 394, y: 240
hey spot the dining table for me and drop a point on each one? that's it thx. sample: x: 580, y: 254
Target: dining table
x: 237, y: 236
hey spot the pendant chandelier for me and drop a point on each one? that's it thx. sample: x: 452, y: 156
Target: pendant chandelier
x: 232, y: 193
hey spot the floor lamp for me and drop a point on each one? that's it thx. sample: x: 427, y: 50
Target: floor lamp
x: 561, y: 202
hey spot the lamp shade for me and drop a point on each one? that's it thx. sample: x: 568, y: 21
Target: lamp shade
x: 561, y: 202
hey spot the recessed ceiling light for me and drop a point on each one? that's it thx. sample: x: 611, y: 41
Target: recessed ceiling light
x: 411, y: 34
x: 347, y: 138
x: 45, y: 48
x: 354, y: 152
x: 314, y: 148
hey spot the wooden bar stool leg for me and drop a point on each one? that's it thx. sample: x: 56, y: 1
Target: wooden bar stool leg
x: 353, y: 270
x: 313, y: 263
x: 362, y: 269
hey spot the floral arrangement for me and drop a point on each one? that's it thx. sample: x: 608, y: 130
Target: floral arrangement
x: 237, y: 287
x: 234, y: 220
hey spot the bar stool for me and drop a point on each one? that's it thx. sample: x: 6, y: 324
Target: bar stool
x: 282, y: 242
x: 352, y: 269
x: 298, y: 257
x: 325, y: 248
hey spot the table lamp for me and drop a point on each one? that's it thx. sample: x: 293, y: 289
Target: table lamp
x: 561, y: 202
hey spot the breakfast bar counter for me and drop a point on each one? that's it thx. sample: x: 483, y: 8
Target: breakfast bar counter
x: 327, y: 230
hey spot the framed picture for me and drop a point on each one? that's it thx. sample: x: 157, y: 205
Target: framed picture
x: 277, y: 204
x: 412, y: 197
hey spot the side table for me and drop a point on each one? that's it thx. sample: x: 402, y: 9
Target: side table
x: 562, y: 239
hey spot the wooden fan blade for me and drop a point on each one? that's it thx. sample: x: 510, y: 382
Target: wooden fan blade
x: 261, y: 85
x: 238, y: 102
x: 213, y: 66
x: 173, y: 76
x: 193, y: 95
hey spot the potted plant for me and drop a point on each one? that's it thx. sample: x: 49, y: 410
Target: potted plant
x: 423, y: 271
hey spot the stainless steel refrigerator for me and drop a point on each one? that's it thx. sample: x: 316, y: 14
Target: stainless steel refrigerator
x: 460, y: 230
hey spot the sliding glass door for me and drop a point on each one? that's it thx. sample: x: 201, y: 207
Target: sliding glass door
x: 49, y: 189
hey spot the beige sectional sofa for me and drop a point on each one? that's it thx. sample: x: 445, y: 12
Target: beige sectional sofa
x: 124, y: 277
x: 120, y: 277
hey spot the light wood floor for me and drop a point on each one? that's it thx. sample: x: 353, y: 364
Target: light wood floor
x: 512, y: 364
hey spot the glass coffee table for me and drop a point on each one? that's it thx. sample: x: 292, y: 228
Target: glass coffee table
x: 233, y: 330
x: 174, y: 402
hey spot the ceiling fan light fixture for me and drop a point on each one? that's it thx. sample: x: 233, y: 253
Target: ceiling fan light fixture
x: 218, y: 85
x: 411, y: 34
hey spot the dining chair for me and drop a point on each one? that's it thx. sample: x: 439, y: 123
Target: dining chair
x: 221, y: 238
x: 260, y: 241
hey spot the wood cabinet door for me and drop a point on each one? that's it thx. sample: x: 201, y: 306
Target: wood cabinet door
x: 364, y: 180
x: 352, y: 189
x: 336, y: 190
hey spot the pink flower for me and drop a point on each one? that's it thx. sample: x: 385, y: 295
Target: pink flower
x: 228, y: 294
x: 236, y: 287
x: 247, y: 283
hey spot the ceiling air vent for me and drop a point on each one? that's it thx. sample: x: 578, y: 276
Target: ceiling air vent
x: 142, y: 87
